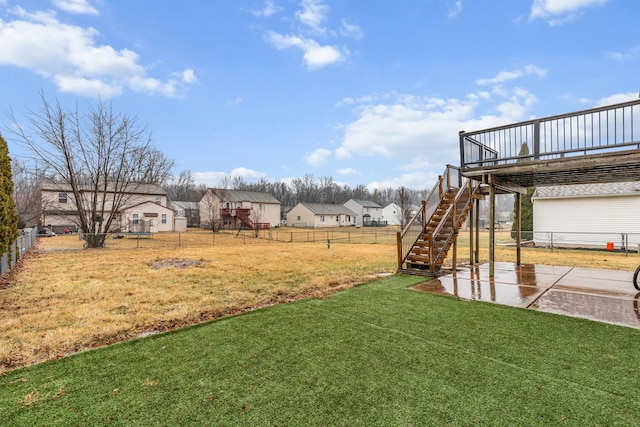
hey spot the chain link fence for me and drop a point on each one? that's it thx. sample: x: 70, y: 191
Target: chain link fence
x: 622, y: 242
x: 202, y: 238
x: 25, y: 240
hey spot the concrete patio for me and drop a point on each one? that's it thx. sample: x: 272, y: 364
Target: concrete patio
x: 600, y: 295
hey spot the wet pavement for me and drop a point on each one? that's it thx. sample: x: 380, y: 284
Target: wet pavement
x: 601, y: 295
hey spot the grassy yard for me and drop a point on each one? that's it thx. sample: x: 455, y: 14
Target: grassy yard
x: 66, y: 299
x: 377, y: 354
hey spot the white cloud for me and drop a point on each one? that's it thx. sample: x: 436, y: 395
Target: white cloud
x: 75, y: 6
x: 556, y: 12
x: 269, y: 9
x: 631, y: 54
x: 421, y: 128
x: 406, y: 127
x: 342, y: 153
x: 310, y: 27
x: 351, y: 30
x: 318, y: 157
x: 189, y: 76
x: 617, y: 98
x: 418, y: 180
x: 87, y: 87
x: 505, y: 76
x: 347, y: 171
x: 314, y: 15
x: 455, y: 10
x: 315, y: 55
x: 69, y: 56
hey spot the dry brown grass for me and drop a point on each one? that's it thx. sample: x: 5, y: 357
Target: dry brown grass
x: 65, y: 299
x: 575, y: 258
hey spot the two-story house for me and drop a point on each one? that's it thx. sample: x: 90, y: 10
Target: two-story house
x: 143, y: 207
x: 229, y: 209
x: 368, y: 213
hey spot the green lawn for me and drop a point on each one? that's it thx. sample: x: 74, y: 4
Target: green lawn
x: 377, y: 354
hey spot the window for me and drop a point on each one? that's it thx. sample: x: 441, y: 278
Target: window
x: 62, y: 197
x: 136, y: 219
x: 298, y: 217
x: 337, y: 218
x: 261, y: 207
x: 163, y: 219
x: 181, y: 212
x: 158, y: 200
x: 321, y: 218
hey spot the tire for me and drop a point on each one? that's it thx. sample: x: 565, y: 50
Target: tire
x: 635, y: 278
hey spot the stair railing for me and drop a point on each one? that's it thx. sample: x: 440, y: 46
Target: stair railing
x: 406, y: 239
x: 454, y: 214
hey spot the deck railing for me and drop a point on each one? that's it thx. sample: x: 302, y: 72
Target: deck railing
x: 603, y: 129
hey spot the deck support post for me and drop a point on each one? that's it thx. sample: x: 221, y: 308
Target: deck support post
x: 518, y: 220
x: 492, y: 226
x: 477, y: 254
x: 471, y: 224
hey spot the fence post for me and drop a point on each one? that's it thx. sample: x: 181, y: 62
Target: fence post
x: 399, y: 247
x: 626, y: 244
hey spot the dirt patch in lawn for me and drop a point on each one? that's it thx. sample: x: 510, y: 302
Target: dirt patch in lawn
x: 159, y: 264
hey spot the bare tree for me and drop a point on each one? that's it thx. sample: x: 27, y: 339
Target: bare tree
x: 26, y: 189
x: 101, y: 156
x: 183, y: 188
x: 211, y: 211
x: 403, y: 200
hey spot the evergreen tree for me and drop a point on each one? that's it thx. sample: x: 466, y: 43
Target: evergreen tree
x: 8, y: 216
x: 526, y: 206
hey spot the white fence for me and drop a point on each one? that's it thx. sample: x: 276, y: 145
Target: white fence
x: 24, y: 241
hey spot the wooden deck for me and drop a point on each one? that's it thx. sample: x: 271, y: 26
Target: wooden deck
x: 618, y: 166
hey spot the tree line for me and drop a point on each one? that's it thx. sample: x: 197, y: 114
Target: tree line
x: 305, y: 189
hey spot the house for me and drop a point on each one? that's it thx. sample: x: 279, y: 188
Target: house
x: 188, y: 210
x: 392, y: 214
x: 147, y: 201
x: 320, y: 215
x: 587, y: 215
x: 368, y: 213
x: 147, y: 217
x: 229, y: 209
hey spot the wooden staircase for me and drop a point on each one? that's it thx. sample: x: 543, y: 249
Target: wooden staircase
x: 245, y: 219
x: 424, y: 248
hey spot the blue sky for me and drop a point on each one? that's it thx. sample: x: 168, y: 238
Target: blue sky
x: 368, y: 92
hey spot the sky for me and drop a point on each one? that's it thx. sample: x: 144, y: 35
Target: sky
x: 368, y: 92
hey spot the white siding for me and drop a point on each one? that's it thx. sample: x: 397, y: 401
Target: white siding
x: 306, y: 217
x: 579, y: 221
x: 392, y: 214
